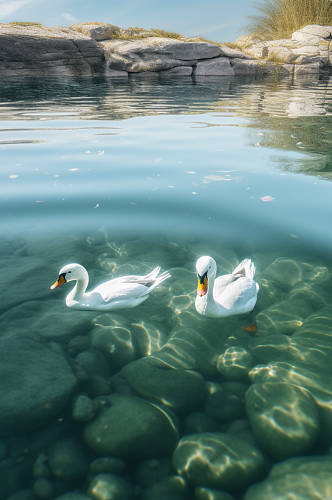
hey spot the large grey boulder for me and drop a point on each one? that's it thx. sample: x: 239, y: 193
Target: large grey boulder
x: 312, y: 34
x: 215, y: 67
x: 24, y: 54
x: 155, y: 54
x: 130, y: 428
x: 218, y: 460
x: 36, y: 383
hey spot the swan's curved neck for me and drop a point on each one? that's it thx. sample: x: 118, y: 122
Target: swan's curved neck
x: 78, y: 291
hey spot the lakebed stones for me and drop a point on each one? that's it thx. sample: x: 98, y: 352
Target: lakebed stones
x: 218, y: 460
x: 68, y: 459
x: 110, y: 487
x: 37, y: 382
x: 180, y: 390
x: 130, y: 428
x: 235, y: 363
x: 284, y: 418
x: 302, y: 478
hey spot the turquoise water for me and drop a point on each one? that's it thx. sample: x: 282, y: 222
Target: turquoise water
x: 121, y: 177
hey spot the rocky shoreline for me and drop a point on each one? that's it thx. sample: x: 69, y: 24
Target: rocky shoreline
x: 90, y: 49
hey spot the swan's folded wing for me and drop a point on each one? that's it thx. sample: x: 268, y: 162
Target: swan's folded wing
x: 238, y: 293
x: 122, y: 291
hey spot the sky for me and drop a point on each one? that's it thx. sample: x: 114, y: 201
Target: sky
x: 216, y: 20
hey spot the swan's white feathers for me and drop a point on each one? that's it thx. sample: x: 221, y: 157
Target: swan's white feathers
x: 119, y: 293
x: 230, y: 294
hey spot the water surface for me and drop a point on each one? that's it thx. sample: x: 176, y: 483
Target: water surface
x: 121, y: 177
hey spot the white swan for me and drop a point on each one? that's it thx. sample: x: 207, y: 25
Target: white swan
x: 119, y: 293
x: 228, y: 295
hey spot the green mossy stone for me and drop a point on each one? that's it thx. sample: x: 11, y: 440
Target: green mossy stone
x: 198, y: 422
x: 73, y: 496
x: 22, y: 495
x: 303, y: 478
x: 268, y: 295
x: 235, y: 363
x: 194, y: 344
x: 173, y: 487
x: 43, y: 489
x: 284, y: 418
x: 226, y: 404
x: 116, y: 343
x: 283, y: 317
x: 131, y: 428
x: 219, y: 461
x: 84, y: 408
x: 313, y: 294
x: 152, y: 471
x: 110, y: 487
x: 210, y: 494
x: 284, y: 273
x: 68, y: 459
x: 180, y: 390
x: 269, y: 348
x: 107, y: 464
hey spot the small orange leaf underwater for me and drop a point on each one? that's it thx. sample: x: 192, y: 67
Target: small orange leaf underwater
x: 250, y: 328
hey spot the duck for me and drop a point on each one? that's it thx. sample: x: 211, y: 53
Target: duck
x: 119, y: 293
x: 228, y: 295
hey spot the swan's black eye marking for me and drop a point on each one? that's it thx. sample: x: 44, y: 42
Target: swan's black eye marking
x: 209, y: 267
x: 69, y: 271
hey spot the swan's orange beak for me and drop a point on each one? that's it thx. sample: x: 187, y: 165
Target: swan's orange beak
x: 202, y: 285
x: 60, y: 281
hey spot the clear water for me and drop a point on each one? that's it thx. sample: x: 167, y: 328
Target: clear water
x: 122, y: 176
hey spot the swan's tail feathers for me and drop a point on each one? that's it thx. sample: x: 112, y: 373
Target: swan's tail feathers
x: 159, y: 279
x: 247, y: 268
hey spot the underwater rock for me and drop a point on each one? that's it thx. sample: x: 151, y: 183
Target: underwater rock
x: 110, y: 486
x: 146, y: 430
x: 226, y: 404
x: 44, y: 489
x: 173, y: 487
x: 285, y: 273
x: 73, y: 496
x: 84, y: 408
x: 197, y: 422
x: 268, y: 347
x: 22, y: 495
x: 37, y: 383
x: 152, y: 471
x: 283, y: 317
x: 302, y: 478
x: 51, y: 319
x: 210, y: 494
x: 268, y: 295
x: 235, y: 363
x: 316, y: 380
x: 284, y: 418
x: 218, y: 460
x: 107, y: 464
x: 68, y: 459
x: 179, y: 390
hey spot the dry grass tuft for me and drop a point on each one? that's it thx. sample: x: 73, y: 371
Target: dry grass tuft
x: 282, y: 17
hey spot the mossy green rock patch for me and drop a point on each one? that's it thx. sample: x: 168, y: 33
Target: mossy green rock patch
x: 130, y: 428
x: 307, y: 478
x: 180, y: 390
x: 218, y: 460
x: 284, y: 418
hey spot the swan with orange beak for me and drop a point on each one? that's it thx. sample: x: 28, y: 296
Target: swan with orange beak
x: 228, y: 295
